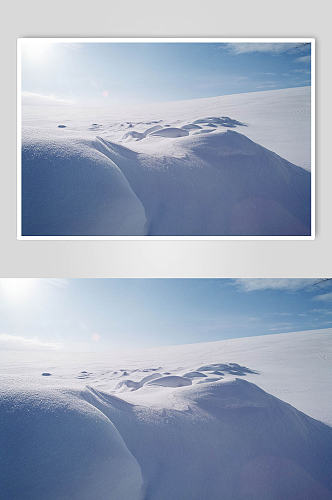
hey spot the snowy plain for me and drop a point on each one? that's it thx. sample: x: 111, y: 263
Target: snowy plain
x: 246, y: 418
x: 235, y: 165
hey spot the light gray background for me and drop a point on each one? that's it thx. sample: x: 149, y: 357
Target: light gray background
x: 240, y: 18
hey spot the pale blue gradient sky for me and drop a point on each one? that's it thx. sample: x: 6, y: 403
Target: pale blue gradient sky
x: 105, y: 73
x: 101, y: 314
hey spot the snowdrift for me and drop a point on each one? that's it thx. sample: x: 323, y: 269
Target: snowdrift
x: 55, y: 445
x: 232, y: 440
x: 70, y: 188
x: 252, y: 421
x: 218, y: 183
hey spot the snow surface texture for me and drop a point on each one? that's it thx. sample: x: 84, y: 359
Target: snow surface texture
x: 189, y: 424
x: 194, y: 172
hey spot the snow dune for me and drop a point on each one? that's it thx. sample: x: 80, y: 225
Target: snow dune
x: 183, y: 175
x: 166, y: 438
x: 63, y: 448
x: 234, y: 441
x: 171, y: 381
x: 171, y: 132
x: 221, y: 184
x: 71, y: 188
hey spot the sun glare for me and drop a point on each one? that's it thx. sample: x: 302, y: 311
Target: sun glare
x: 35, y: 50
x: 18, y: 289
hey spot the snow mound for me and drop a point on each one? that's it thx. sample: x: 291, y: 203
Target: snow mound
x: 231, y: 368
x: 148, y: 378
x: 170, y: 381
x: 191, y: 126
x: 222, y: 184
x: 69, y: 187
x: 131, y: 385
x: 224, y: 121
x: 137, y: 136
x: 128, y: 384
x: 56, y: 445
x: 194, y: 374
x: 209, y: 379
x: 193, y: 185
x: 152, y: 129
x: 232, y: 440
x: 171, y: 132
x: 207, y: 440
x: 204, y: 131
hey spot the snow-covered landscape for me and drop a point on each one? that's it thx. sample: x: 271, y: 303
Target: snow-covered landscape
x: 247, y: 418
x: 159, y: 389
x: 234, y: 165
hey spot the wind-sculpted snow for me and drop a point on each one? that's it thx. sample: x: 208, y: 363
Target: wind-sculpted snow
x: 99, y: 429
x: 203, y: 167
x: 171, y: 381
x: 55, y: 445
x: 171, y: 132
x: 131, y: 385
x: 232, y: 440
x: 219, y: 183
x: 70, y: 188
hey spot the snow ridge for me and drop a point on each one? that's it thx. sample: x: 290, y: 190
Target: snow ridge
x: 232, y: 441
x: 228, y: 433
x: 219, y: 183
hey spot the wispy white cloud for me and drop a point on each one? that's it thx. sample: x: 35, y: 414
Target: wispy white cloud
x: 35, y: 99
x: 272, y: 48
x: 281, y: 313
x: 290, y: 284
x: 266, y: 84
x: 18, y: 343
x: 321, y: 311
x: 287, y: 326
x: 325, y: 297
x: 57, y: 282
x: 303, y: 59
x: 301, y: 70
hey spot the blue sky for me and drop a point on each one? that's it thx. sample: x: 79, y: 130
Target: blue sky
x: 105, y: 73
x: 102, y: 314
